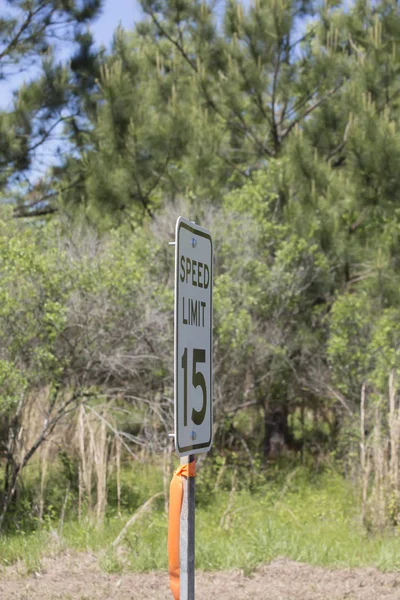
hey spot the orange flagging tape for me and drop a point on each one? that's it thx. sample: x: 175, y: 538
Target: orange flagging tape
x: 174, y: 524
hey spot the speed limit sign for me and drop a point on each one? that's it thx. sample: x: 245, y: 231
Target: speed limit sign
x: 193, y: 338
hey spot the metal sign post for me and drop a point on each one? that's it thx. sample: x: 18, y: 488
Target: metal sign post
x: 193, y: 408
x: 187, y: 535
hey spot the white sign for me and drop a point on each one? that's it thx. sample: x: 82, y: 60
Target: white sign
x: 193, y: 338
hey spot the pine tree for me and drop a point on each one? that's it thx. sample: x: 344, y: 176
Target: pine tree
x: 344, y: 161
x: 190, y: 105
x: 42, y: 105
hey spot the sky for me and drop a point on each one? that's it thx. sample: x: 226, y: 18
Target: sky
x: 114, y: 12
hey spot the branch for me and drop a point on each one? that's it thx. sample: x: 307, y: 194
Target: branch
x: 234, y: 166
x: 144, y: 508
x: 246, y: 129
x: 309, y: 110
x: 242, y: 406
x: 334, y: 394
x: 358, y: 221
x: 273, y: 100
x: 118, y: 434
x: 24, y: 210
x: 277, y: 67
x: 47, y: 133
x: 40, y: 212
x: 17, y: 36
x: 304, y: 37
x: 49, y: 428
x: 171, y: 39
x: 254, y: 94
x: 300, y: 103
x: 343, y: 142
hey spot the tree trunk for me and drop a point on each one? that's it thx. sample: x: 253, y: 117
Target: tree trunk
x: 276, y: 430
x: 9, y: 492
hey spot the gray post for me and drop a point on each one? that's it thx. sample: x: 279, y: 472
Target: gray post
x: 187, y: 535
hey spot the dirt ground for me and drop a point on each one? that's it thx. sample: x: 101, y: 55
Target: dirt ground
x: 78, y: 577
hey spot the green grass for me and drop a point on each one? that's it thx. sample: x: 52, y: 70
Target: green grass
x: 290, y: 512
x: 316, y: 523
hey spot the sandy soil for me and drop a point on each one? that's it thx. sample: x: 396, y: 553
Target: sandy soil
x: 78, y: 577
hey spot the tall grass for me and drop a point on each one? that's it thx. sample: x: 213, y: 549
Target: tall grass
x: 290, y: 511
x: 379, y: 457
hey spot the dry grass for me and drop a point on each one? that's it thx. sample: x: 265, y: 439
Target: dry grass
x: 379, y: 458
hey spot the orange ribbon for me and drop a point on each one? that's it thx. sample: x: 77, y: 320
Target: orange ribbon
x: 174, y: 524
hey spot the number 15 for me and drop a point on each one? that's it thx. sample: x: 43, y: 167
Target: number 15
x: 199, y: 356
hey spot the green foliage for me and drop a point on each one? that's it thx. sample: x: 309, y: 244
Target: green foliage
x: 13, y: 386
x: 278, y: 125
x: 363, y: 343
x: 292, y: 513
x: 269, y: 279
x: 187, y: 106
x: 350, y: 333
x: 77, y: 321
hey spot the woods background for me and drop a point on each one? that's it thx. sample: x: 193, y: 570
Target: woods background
x: 275, y: 125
